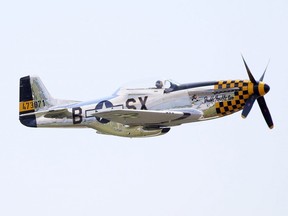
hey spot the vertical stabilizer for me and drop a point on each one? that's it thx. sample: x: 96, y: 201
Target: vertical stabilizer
x: 33, y: 97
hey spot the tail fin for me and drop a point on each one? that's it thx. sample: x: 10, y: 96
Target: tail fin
x: 33, y: 97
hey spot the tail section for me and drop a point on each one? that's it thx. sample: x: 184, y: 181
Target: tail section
x: 33, y: 97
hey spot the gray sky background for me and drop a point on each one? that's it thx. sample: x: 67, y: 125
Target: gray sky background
x: 86, y: 50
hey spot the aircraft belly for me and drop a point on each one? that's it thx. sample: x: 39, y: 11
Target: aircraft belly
x: 117, y: 129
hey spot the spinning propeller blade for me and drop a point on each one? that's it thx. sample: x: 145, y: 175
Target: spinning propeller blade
x: 265, y: 112
x: 252, y: 79
x: 248, y: 105
x: 262, y: 77
x: 260, y: 89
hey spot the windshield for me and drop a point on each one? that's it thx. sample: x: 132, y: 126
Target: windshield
x: 156, y: 83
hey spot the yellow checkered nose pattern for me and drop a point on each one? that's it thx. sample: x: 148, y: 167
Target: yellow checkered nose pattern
x: 243, y: 90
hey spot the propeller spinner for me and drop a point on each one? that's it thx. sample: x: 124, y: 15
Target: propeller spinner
x: 259, y: 90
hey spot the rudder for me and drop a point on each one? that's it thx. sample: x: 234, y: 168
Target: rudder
x: 33, y: 96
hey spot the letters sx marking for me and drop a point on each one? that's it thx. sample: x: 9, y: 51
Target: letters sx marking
x: 131, y: 101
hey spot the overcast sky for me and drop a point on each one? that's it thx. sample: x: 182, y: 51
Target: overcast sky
x: 85, y: 50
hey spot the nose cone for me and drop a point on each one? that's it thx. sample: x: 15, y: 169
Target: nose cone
x: 266, y: 88
x: 262, y: 88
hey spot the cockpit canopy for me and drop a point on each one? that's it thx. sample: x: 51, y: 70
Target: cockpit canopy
x: 167, y: 85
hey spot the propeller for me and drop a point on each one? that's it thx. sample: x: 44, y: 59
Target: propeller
x: 260, y: 89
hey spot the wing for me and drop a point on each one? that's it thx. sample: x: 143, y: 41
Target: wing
x: 146, y: 117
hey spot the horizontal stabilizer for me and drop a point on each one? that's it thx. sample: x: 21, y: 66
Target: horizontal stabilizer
x: 56, y: 113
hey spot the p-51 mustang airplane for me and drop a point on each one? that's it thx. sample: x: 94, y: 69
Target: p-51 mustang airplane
x: 140, y: 112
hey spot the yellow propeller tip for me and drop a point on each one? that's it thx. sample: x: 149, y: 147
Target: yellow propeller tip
x: 271, y: 127
x: 243, y: 116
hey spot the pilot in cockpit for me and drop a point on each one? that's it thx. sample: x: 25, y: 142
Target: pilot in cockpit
x: 159, y: 84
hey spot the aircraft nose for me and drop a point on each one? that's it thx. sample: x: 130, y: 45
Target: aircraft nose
x: 262, y: 88
x: 266, y: 88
